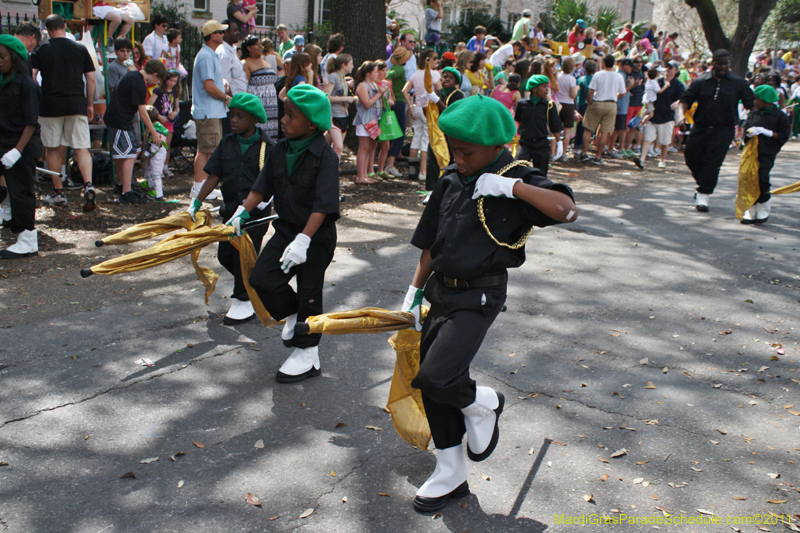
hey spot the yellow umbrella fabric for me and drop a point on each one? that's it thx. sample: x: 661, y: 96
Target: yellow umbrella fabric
x: 794, y: 187
x: 748, y: 191
x: 405, y: 402
x: 435, y: 136
x: 364, y: 320
x: 158, y: 227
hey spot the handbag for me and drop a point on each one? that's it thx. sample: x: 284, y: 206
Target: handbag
x: 373, y: 129
x: 390, y: 129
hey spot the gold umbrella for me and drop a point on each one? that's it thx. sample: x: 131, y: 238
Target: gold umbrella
x: 794, y: 187
x: 435, y: 136
x: 748, y: 190
x: 154, y: 228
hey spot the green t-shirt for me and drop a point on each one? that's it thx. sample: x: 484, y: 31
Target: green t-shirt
x: 683, y: 76
x: 501, y: 76
x: 519, y: 30
x: 285, y: 47
x: 397, y: 75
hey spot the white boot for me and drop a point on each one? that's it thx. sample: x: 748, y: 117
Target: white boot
x: 762, y: 212
x: 749, y: 216
x: 481, y: 421
x: 239, y: 313
x: 701, y: 201
x: 449, y: 479
x: 288, y: 328
x: 301, y: 365
x: 27, y: 245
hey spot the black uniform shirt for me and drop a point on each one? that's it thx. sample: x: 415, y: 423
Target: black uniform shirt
x: 534, y: 120
x: 237, y: 172
x: 451, y: 229
x: 19, y: 107
x: 718, y: 101
x: 774, y: 120
x: 313, y: 187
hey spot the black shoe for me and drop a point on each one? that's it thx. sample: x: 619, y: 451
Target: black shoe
x: 638, y: 162
x: 131, y: 198
x: 5, y: 254
x: 477, y: 457
x: 423, y: 504
x: 280, y: 377
x: 67, y: 183
x: 3, y: 193
x: 228, y: 321
x: 702, y: 208
x: 748, y: 222
x: 89, y: 197
x: 760, y: 221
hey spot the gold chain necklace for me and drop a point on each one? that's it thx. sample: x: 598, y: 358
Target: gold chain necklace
x: 521, y: 242
x: 262, y: 154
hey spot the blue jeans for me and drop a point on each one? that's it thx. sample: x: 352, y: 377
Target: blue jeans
x: 397, y: 144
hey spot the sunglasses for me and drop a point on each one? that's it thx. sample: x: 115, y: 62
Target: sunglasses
x: 221, y: 32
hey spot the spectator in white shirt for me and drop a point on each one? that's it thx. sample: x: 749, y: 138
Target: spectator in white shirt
x: 156, y: 44
x: 604, y: 90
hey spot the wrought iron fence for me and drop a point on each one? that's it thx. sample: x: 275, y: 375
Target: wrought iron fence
x: 9, y: 22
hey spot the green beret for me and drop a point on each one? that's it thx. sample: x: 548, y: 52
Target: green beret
x: 478, y: 120
x: 249, y: 103
x: 766, y: 93
x: 536, y: 80
x: 14, y: 44
x: 454, y: 72
x: 313, y: 103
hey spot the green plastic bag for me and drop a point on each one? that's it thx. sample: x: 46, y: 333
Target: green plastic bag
x: 390, y: 129
x: 64, y: 10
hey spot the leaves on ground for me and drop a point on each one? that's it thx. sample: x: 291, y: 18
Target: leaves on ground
x: 649, y: 385
x: 148, y: 460
x: 373, y: 428
x: 172, y: 457
x: 259, y: 444
x: 127, y: 474
x: 198, y: 444
x: 588, y: 497
x: 619, y: 453
x: 307, y: 513
x: 253, y: 500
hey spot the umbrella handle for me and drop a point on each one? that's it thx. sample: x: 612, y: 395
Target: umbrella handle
x: 99, y: 243
x: 258, y: 222
x: 86, y: 272
x: 302, y: 328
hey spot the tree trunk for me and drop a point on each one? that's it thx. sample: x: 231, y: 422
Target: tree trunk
x: 363, y: 23
x: 752, y: 14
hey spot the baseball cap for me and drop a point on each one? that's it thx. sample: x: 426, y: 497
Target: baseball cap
x: 581, y: 23
x: 526, y: 12
x: 299, y: 40
x: 626, y: 61
x: 213, y: 26
x: 674, y: 64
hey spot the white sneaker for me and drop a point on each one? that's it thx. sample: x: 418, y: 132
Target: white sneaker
x: 394, y: 172
x: 427, y: 197
x: 651, y: 153
x: 662, y: 164
x: 701, y: 202
x: 672, y: 149
x: 213, y: 195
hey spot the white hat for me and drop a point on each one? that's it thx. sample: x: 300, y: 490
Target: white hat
x: 526, y: 12
x: 578, y: 57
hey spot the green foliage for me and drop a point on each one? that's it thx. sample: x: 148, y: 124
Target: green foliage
x: 560, y: 16
x: 465, y: 31
x: 405, y: 26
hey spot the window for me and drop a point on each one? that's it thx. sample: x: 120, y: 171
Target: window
x: 201, y: 5
x: 265, y: 16
x: 513, y: 18
x: 465, y: 15
x: 325, y: 12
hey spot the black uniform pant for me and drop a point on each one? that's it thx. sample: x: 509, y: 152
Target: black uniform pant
x: 540, y: 157
x: 765, y: 164
x: 451, y: 336
x: 21, y: 183
x: 705, y: 151
x: 272, y: 284
x: 228, y: 257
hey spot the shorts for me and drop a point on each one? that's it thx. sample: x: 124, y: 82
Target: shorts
x: 361, y: 131
x: 101, y: 11
x: 603, y: 114
x: 72, y: 131
x: 209, y: 134
x: 662, y: 132
x: 632, y: 112
x: 621, y: 122
x: 123, y: 144
x: 567, y: 115
x: 420, y: 140
x: 341, y: 123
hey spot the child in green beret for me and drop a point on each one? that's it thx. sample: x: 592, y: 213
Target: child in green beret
x: 301, y: 174
x: 236, y: 163
x: 773, y: 129
x: 538, y: 118
x: 20, y: 147
x: 463, y: 269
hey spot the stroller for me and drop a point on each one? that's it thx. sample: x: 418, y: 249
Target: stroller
x: 183, y: 150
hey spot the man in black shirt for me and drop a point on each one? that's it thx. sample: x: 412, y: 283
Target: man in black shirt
x: 717, y: 93
x: 67, y: 104
x: 538, y: 118
x: 130, y: 97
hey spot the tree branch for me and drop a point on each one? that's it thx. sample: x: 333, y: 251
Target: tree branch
x: 715, y: 35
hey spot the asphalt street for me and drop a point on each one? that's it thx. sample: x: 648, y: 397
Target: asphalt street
x: 649, y: 357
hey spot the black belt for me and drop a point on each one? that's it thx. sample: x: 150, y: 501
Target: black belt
x: 603, y: 101
x: 488, y: 281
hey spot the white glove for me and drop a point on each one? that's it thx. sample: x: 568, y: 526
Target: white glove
x: 494, y: 185
x: 432, y: 98
x: 758, y: 130
x: 412, y: 304
x: 236, y: 220
x: 295, y: 253
x: 262, y: 206
x: 193, y: 208
x: 559, y: 149
x: 11, y: 157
